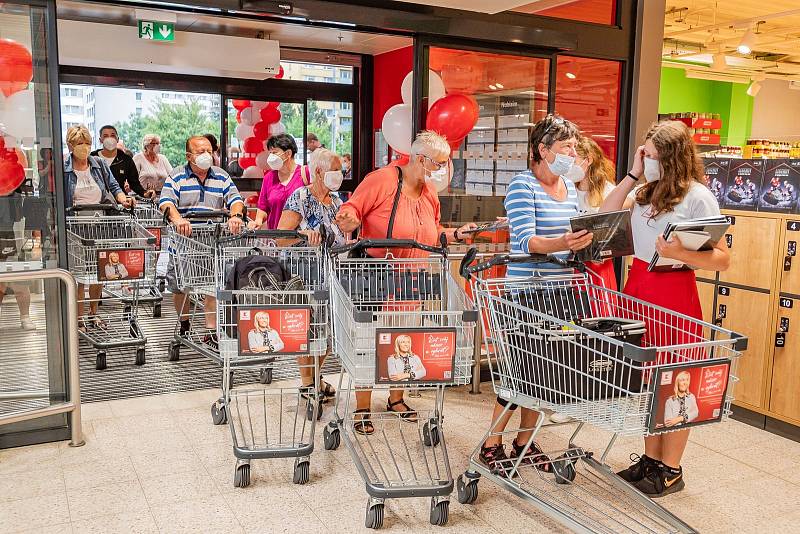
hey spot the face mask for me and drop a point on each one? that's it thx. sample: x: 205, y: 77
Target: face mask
x: 109, y: 143
x: 345, y: 166
x: 333, y: 180
x: 561, y: 165
x: 439, y: 179
x: 204, y: 161
x: 274, y: 161
x: 81, y: 151
x: 575, y: 173
x: 652, y: 170
x: 156, y: 149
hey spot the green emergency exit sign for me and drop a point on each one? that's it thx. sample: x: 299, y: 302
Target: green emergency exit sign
x: 156, y: 31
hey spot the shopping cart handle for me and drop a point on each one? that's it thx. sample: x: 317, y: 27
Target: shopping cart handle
x: 94, y: 207
x: 206, y: 215
x: 504, y: 259
x: 267, y: 234
x: 364, y: 244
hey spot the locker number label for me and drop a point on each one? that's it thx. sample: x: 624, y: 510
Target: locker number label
x: 793, y: 226
x: 780, y: 340
x: 722, y: 312
x: 731, y: 219
x: 729, y: 240
x: 786, y: 303
x: 784, y: 324
x: 724, y: 291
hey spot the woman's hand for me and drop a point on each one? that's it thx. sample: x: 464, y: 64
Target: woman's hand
x: 458, y: 235
x: 314, y: 238
x: 235, y: 224
x: 182, y: 226
x: 254, y: 225
x: 674, y: 421
x: 578, y: 240
x: 150, y: 193
x: 638, y: 163
x: 126, y: 201
x: 346, y: 221
x: 672, y: 249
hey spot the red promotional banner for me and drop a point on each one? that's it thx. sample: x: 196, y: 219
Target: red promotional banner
x: 273, y: 330
x: 414, y: 356
x: 120, y: 264
x: 686, y: 395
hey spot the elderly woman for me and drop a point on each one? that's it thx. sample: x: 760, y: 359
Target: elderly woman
x: 89, y: 181
x: 263, y: 338
x: 153, y: 166
x: 284, y: 179
x: 404, y: 365
x: 417, y: 217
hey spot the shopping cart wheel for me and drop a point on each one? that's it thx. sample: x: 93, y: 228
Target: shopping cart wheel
x: 440, y: 512
x: 301, y: 472
x: 219, y: 415
x: 374, y: 518
x: 265, y: 375
x: 162, y: 285
x: 141, y: 358
x: 100, y: 362
x: 467, y: 492
x: 174, y: 351
x: 564, y: 469
x: 430, y: 433
x: 241, y: 478
x: 331, y: 438
x: 157, y: 310
x: 310, y: 409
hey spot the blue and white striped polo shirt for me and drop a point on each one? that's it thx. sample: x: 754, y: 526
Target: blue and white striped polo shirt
x: 532, y: 212
x: 184, y: 190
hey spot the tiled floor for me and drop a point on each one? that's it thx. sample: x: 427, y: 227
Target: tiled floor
x: 156, y: 464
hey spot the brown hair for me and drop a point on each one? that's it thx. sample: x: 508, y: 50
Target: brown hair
x: 680, y: 166
x: 600, y: 171
x: 547, y: 131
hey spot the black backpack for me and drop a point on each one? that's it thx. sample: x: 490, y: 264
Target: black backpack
x: 261, y: 272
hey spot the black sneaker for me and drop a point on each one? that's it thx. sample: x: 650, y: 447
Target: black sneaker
x: 494, y: 457
x: 211, y: 340
x: 639, y: 469
x: 534, y: 456
x: 186, y: 326
x: 661, y: 481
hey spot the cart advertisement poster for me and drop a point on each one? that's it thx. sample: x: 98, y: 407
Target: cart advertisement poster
x: 156, y: 231
x: 120, y: 264
x: 414, y: 355
x: 273, y: 330
x: 687, y: 395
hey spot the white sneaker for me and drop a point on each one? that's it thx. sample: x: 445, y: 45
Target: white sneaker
x: 27, y: 324
x: 559, y: 418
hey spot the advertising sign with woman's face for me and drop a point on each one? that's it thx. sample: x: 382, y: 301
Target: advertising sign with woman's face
x: 266, y: 330
x: 414, y: 356
x: 120, y: 264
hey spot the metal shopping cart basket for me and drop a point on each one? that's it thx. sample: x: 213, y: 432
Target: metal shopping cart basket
x: 398, y: 322
x: 280, y: 326
x: 607, y: 360
x: 109, y: 249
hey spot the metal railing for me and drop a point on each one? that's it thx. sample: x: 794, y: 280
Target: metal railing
x: 73, y: 403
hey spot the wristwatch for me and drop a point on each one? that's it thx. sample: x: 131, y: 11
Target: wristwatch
x: 239, y: 215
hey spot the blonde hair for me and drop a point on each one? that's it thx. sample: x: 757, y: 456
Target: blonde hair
x: 149, y: 138
x: 259, y: 315
x: 600, y: 171
x: 397, y: 342
x: 431, y: 144
x: 678, y: 379
x: 322, y: 158
x: 680, y: 166
x: 78, y: 134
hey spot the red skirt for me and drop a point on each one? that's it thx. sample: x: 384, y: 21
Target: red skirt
x: 603, y: 274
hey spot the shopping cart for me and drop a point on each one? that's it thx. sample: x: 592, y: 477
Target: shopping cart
x: 375, y: 302
x: 603, y: 358
x: 96, y: 235
x: 272, y: 422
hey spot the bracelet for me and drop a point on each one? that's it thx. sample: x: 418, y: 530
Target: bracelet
x: 455, y: 236
x: 629, y: 175
x: 239, y: 215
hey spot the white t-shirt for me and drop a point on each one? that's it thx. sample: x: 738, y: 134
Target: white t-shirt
x: 108, y: 160
x: 699, y: 202
x: 86, y: 189
x: 583, y: 199
x: 152, y: 175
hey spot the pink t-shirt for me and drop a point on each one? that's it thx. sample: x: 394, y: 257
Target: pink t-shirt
x: 274, y: 194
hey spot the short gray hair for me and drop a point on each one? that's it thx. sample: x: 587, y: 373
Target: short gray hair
x: 323, y: 159
x: 149, y: 138
x: 431, y: 144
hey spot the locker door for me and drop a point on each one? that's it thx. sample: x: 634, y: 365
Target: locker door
x: 707, y: 292
x: 747, y: 313
x: 785, y: 394
x: 790, y: 254
x: 753, y: 242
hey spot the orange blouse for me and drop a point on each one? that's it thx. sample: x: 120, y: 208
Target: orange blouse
x: 418, y: 219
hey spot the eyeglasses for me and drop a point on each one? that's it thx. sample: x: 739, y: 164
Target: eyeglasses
x: 437, y: 164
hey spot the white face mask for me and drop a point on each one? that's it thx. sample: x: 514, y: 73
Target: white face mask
x: 204, y: 161
x: 333, y: 180
x: 156, y: 149
x: 439, y: 179
x: 274, y: 161
x: 109, y: 143
x: 575, y: 174
x: 652, y: 170
x: 561, y: 165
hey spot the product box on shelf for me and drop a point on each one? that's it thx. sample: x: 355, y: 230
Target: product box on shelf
x: 744, y: 184
x: 780, y: 187
x: 716, y: 174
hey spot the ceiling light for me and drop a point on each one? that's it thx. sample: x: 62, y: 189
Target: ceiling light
x: 499, y: 85
x: 492, y: 87
x: 719, y: 62
x: 754, y: 88
x: 571, y: 75
x: 747, y: 42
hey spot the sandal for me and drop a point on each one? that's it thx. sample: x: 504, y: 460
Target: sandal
x: 363, y: 425
x: 408, y: 415
x: 533, y: 456
x: 326, y: 390
x: 96, y: 322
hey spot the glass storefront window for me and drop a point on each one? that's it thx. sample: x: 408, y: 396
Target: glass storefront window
x: 587, y: 93
x: 317, y: 72
x: 597, y: 11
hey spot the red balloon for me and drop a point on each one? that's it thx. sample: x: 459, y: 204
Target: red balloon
x: 252, y: 146
x: 239, y: 117
x: 245, y: 163
x: 12, y: 174
x: 16, y: 67
x: 453, y: 116
x: 455, y: 145
x: 251, y: 201
x: 280, y: 74
x: 273, y: 105
x: 261, y: 130
x: 241, y: 104
x: 270, y: 115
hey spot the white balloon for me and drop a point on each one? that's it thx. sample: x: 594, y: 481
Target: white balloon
x: 258, y: 106
x: 243, y: 131
x: 253, y: 172
x: 396, y: 127
x: 277, y: 128
x: 261, y: 160
x: 435, y: 88
x: 250, y: 116
x: 18, y: 115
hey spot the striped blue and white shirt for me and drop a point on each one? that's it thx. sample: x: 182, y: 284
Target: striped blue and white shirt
x: 532, y: 212
x: 185, y: 191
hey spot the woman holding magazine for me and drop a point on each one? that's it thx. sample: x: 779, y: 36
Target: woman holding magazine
x: 673, y: 191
